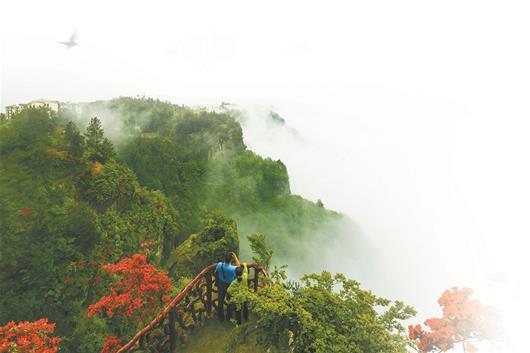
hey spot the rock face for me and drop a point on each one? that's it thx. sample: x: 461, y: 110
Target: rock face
x: 218, y: 238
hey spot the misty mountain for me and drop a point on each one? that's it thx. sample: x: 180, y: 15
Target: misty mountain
x: 177, y: 187
x: 197, y: 157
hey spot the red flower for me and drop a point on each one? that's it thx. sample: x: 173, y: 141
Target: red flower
x: 28, y: 337
x: 111, y: 345
x: 136, y: 292
x: 463, y: 319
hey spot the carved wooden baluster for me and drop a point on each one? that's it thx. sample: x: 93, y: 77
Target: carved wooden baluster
x: 203, y: 302
x: 142, y: 342
x: 191, y: 308
x: 209, y: 293
x: 185, y: 309
x: 180, y: 319
x: 157, y: 336
x: 172, y: 333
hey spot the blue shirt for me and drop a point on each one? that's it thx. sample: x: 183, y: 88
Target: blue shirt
x: 225, y: 273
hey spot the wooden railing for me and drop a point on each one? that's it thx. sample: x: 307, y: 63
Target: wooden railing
x: 189, y: 309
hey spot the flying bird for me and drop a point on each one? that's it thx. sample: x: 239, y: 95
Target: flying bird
x: 71, y: 42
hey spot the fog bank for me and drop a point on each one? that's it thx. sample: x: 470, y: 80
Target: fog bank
x: 438, y: 204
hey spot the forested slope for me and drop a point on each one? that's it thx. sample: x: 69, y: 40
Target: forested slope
x: 198, y: 160
x: 178, y: 186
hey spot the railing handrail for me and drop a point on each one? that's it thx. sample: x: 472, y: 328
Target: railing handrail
x: 176, y: 300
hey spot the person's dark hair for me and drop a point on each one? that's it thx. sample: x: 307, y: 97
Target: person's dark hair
x: 228, y: 259
x: 239, y: 271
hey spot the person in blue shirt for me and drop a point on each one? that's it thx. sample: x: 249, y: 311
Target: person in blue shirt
x: 225, y: 273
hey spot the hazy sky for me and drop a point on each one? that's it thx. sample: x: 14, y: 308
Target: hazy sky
x: 415, y: 115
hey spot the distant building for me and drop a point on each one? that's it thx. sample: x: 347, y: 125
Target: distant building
x: 11, y: 110
x: 73, y: 107
x: 52, y: 106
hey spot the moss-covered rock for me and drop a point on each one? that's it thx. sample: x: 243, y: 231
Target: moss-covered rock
x: 218, y: 238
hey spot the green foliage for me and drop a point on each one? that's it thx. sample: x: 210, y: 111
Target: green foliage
x: 94, y: 133
x: 108, y: 184
x: 326, y: 313
x: 215, y: 337
x: 217, y: 238
x: 172, y: 152
x: 258, y: 245
x: 89, y: 334
x: 99, y: 148
x: 160, y: 163
x: 246, y: 182
x: 74, y: 140
x: 291, y: 226
x: 62, y: 213
x: 28, y: 127
x: 199, y: 161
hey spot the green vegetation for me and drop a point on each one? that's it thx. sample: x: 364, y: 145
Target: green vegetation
x: 67, y: 205
x: 217, y: 337
x: 181, y: 180
x: 325, y: 313
x: 199, y: 161
x: 212, y: 243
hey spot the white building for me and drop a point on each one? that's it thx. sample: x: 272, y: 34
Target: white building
x: 52, y: 106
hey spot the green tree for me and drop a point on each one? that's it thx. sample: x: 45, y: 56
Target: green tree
x: 74, y: 140
x: 94, y: 133
x: 99, y: 147
x: 258, y: 245
x: 325, y: 313
x: 107, y: 184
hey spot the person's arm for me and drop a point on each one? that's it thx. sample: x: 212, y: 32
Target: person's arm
x: 234, y: 256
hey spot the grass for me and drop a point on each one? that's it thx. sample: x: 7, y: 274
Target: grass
x: 214, y: 337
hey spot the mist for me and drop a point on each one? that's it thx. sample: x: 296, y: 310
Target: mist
x: 437, y: 204
x: 410, y: 117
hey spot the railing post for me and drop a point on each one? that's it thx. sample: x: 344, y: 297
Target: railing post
x: 142, y: 342
x: 209, y: 293
x: 172, y: 333
x: 256, y: 278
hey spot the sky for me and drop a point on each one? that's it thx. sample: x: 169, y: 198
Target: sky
x: 413, y: 116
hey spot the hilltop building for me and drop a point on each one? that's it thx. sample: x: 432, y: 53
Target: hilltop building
x: 52, y: 106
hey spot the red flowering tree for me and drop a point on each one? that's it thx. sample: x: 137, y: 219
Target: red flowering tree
x: 28, y: 337
x: 111, y: 345
x: 138, y: 288
x: 464, y: 321
x: 138, y: 291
